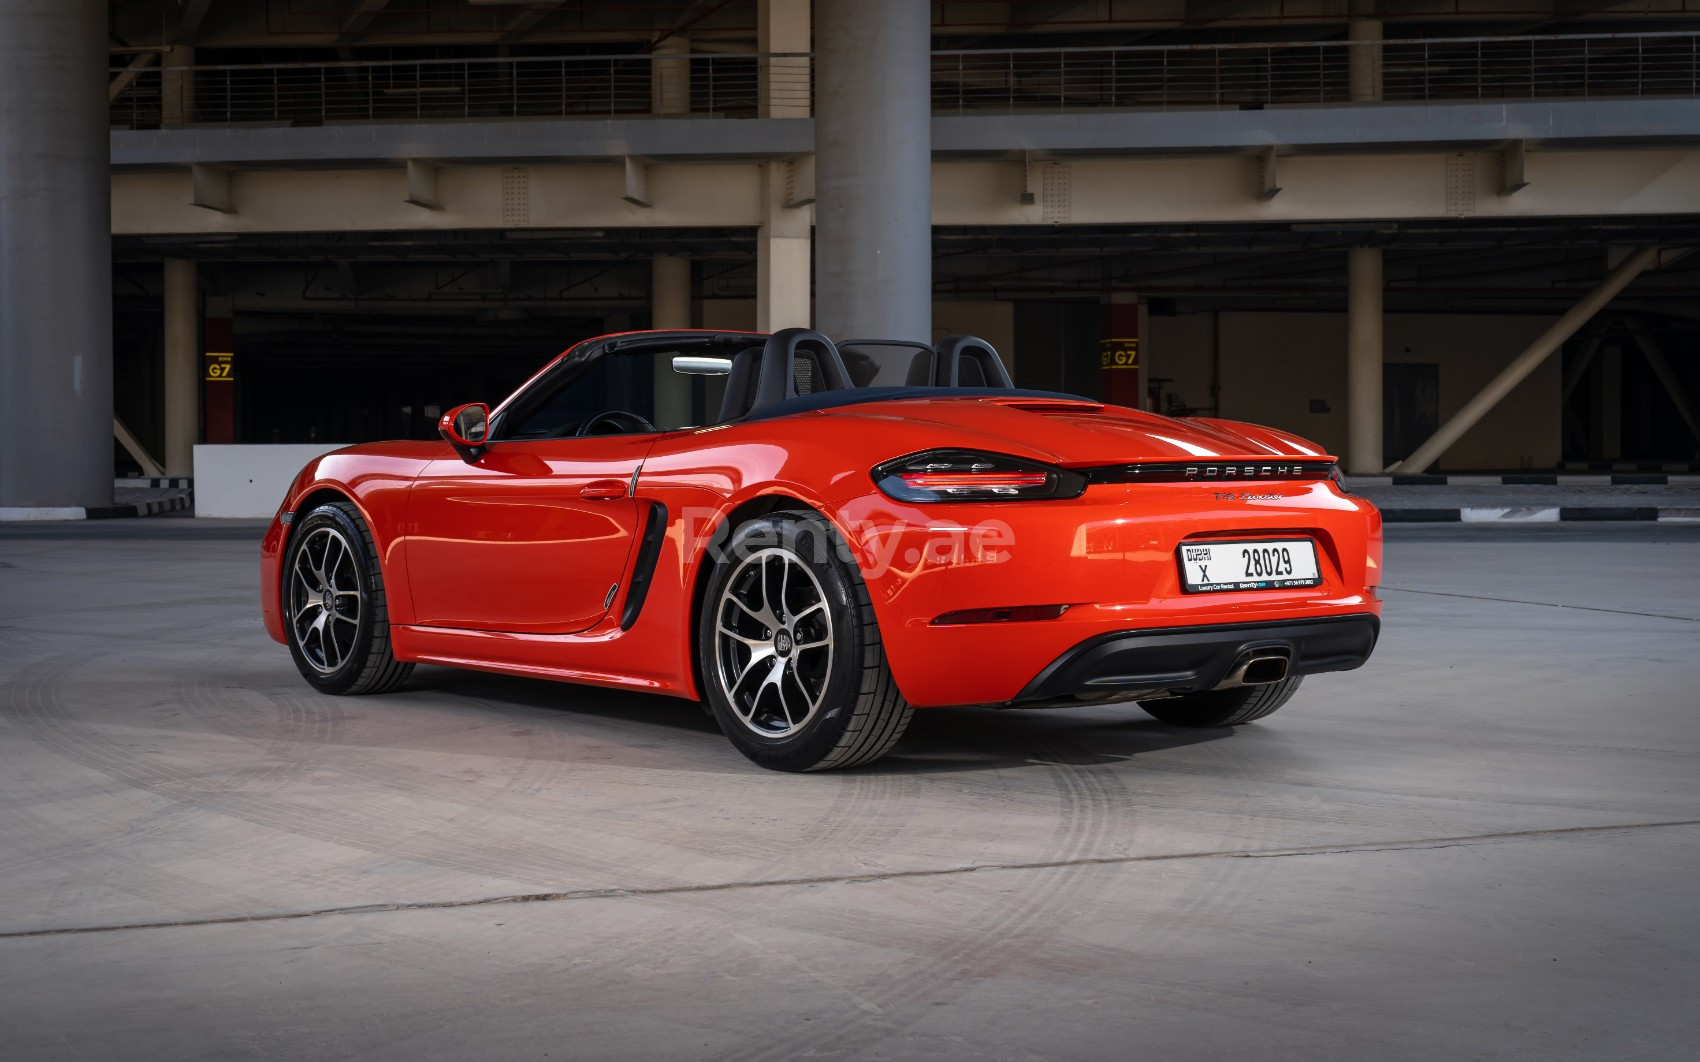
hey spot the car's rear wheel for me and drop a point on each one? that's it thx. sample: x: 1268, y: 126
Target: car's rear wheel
x: 334, y: 605
x: 1230, y: 707
x: 790, y: 654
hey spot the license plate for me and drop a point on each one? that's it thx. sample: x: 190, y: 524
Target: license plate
x: 1266, y: 564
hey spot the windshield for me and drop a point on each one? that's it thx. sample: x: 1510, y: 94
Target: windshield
x: 622, y: 384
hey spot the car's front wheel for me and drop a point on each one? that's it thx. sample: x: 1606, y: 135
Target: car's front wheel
x: 334, y: 605
x: 791, y: 660
x: 1229, y: 707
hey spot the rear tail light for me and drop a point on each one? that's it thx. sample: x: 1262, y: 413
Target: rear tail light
x: 968, y: 475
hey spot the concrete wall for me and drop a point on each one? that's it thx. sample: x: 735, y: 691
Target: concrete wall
x: 1179, y: 349
x: 325, y: 179
x: 992, y: 321
x: 1274, y: 364
x: 732, y: 315
x: 249, y: 480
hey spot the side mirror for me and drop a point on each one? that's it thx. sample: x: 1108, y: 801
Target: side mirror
x: 466, y: 428
x: 692, y: 365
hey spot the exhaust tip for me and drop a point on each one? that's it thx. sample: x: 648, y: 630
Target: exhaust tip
x: 1262, y: 670
x: 1258, y: 667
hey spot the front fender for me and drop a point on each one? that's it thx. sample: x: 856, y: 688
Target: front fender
x: 375, y: 481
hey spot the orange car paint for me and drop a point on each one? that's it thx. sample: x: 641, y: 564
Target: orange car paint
x: 503, y: 566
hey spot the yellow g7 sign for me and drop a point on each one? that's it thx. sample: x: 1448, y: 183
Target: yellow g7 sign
x: 1118, y: 354
x: 219, y: 367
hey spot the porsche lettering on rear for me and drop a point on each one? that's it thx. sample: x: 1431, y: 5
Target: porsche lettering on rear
x: 1243, y: 471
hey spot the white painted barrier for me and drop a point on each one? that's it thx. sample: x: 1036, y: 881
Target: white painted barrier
x: 249, y: 480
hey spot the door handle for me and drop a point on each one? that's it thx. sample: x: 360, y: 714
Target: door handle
x: 603, y: 489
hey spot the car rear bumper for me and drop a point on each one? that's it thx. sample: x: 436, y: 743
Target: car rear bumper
x: 1110, y: 556
x: 1193, y: 659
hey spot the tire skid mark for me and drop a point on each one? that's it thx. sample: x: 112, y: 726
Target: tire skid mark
x: 1022, y: 929
x: 472, y: 816
x: 309, y: 728
x: 33, y: 700
x: 290, y: 750
x: 300, y: 736
x: 1232, y: 827
x: 541, y: 766
x: 1087, y: 800
x: 266, y: 775
x: 860, y: 808
x: 53, y: 728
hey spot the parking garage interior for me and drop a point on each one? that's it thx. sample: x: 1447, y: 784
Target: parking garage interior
x: 353, y: 337
x: 1450, y: 241
x: 392, y: 206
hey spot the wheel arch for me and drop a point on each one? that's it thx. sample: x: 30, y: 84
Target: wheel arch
x: 316, y: 495
x: 313, y: 497
x: 742, y: 513
x: 321, y: 493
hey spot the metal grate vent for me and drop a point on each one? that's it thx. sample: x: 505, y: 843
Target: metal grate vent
x: 516, y: 196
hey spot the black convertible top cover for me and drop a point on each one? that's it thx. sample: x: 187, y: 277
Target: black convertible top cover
x: 855, y: 396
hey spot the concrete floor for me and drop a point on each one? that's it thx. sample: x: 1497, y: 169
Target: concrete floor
x: 1484, y: 845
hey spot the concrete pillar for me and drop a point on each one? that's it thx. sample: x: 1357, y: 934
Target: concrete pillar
x: 783, y: 249
x: 182, y: 367
x: 1364, y: 60
x: 177, y: 87
x: 873, y: 169
x: 1363, y: 361
x: 670, y: 307
x: 670, y: 76
x: 670, y: 296
x: 56, y: 448
x: 782, y: 26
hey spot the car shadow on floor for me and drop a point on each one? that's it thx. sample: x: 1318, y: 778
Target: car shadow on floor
x: 974, y: 739
x: 939, y: 740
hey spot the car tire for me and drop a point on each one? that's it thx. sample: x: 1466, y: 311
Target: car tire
x: 792, y: 664
x: 334, y: 609
x: 1230, y: 707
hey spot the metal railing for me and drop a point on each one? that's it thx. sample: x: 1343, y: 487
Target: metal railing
x: 725, y: 86
x: 963, y: 82
x: 1263, y: 75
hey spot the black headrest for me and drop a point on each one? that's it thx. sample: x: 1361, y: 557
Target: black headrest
x: 741, y: 384
x: 794, y: 362
x: 966, y: 361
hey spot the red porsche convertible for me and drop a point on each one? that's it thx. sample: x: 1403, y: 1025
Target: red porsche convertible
x: 855, y: 530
